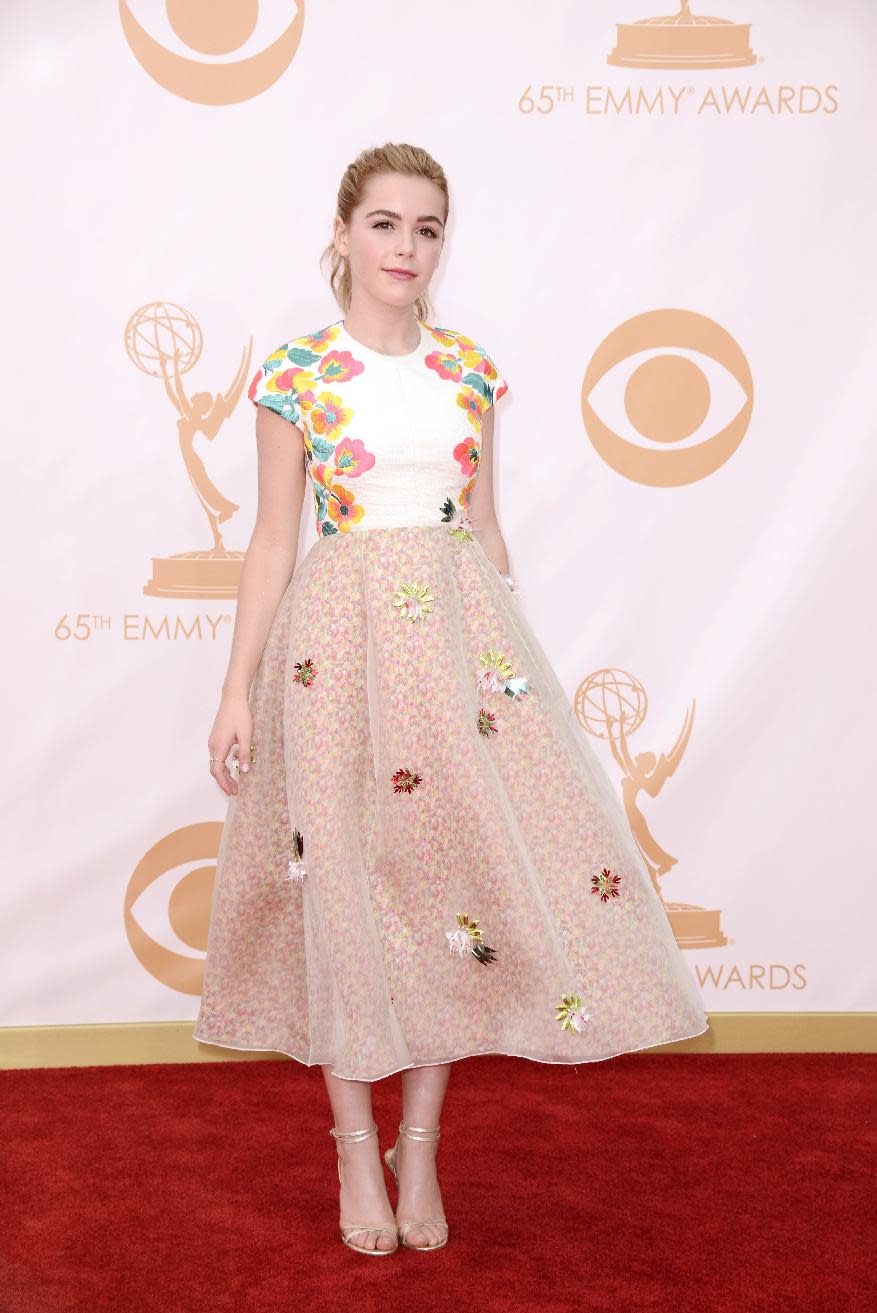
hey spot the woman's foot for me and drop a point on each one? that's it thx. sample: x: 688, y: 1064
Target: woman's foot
x: 419, y: 1194
x: 363, y: 1193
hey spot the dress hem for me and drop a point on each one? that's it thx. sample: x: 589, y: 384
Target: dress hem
x: 455, y: 1057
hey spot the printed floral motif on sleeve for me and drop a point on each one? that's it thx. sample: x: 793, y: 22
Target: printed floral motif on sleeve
x: 273, y: 387
x: 374, y: 424
x: 464, y: 362
x: 303, y: 381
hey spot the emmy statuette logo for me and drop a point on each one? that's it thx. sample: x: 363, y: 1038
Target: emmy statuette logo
x: 682, y: 41
x: 612, y: 705
x: 165, y: 341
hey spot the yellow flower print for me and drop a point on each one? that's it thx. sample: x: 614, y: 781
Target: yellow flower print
x: 473, y: 404
x: 319, y: 341
x: 489, y: 370
x: 467, y: 348
x: 444, y: 336
x: 302, y: 380
x: 329, y: 416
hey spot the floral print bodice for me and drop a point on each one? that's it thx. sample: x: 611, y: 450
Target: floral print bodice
x: 389, y: 440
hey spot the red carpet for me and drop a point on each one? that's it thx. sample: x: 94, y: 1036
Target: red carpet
x: 667, y: 1182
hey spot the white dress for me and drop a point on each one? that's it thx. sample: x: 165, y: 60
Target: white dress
x: 427, y: 860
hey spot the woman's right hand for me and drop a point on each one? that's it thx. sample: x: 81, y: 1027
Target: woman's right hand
x: 233, y: 725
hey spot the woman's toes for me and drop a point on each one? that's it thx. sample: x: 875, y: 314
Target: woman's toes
x: 424, y: 1235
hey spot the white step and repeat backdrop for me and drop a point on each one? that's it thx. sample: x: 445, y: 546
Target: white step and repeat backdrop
x: 662, y: 230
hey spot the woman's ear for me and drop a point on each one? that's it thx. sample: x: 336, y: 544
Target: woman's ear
x: 339, y: 236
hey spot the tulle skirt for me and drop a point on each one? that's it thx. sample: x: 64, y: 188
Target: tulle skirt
x: 427, y: 860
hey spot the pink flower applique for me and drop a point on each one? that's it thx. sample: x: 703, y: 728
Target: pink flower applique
x: 459, y: 520
x: 499, y: 677
x: 570, y: 1013
x: 414, y: 601
x: 296, y: 870
x: 466, y: 937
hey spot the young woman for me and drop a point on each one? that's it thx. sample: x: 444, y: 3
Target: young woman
x: 423, y: 858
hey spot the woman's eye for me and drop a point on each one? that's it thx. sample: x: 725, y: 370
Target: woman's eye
x: 381, y: 223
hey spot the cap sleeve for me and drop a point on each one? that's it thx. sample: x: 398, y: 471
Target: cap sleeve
x: 272, y: 386
x: 496, y: 383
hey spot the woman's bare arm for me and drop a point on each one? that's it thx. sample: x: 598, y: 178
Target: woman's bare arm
x: 271, y: 554
x: 482, y: 508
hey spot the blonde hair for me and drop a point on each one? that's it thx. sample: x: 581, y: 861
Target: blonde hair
x: 392, y: 157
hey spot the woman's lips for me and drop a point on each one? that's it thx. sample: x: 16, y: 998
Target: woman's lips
x: 399, y: 273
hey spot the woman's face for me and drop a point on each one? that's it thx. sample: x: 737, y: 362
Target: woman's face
x: 397, y: 225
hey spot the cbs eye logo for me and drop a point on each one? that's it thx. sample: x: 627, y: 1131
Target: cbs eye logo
x: 667, y: 400
x: 213, y: 52
x: 171, y: 890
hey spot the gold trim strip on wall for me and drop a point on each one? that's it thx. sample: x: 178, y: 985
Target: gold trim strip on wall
x: 112, y: 1044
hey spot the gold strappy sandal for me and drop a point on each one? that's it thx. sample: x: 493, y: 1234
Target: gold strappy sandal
x: 416, y: 1133
x: 348, y: 1229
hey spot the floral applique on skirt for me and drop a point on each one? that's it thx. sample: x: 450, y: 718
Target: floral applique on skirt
x: 428, y: 860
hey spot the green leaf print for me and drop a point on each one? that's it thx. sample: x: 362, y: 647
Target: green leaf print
x: 322, y: 448
x: 477, y: 383
x: 299, y: 355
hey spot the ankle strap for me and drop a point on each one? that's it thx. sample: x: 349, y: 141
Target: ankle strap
x: 426, y: 1132
x: 354, y: 1135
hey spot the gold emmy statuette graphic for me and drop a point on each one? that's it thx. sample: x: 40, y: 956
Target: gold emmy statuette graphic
x: 165, y: 341
x: 682, y: 41
x: 611, y: 705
